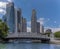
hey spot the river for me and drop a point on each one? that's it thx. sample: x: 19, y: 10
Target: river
x: 29, y: 46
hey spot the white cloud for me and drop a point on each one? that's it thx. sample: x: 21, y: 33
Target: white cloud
x: 29, y: 23
x: 2, y: 11
x: 28, y: 29
x: 41, y: 20
x: 53, y: 29
x: 9, y: 0
x: 2, y: 7
x: 3, y: 4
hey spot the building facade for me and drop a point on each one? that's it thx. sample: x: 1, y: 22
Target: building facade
x: 19, y: 15
x: 10, y: 17
x: 48, y: 31
x: 34, y: 22
x: 41, y: 28
x: 17, y: 23
x: 4, y: 18
x: 38, y: 27
x: 20, y: 22
x: 24, y: 25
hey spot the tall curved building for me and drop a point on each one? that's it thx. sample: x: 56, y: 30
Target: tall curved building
x: 10, y: 16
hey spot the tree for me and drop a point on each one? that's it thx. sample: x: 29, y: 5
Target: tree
x: 3, y: 29
x: 57, y: 34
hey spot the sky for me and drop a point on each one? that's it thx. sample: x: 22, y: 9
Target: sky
x: 48, y: 11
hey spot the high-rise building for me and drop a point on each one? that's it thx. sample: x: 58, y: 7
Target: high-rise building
x: 24, y: 25
x: 19, y: 15
x: 16, y: 23
x: 10, y: 17
x: 4, y: 18
x: 48, y: 31
x: 33, y: 21
x: 14, y: 19
x: 41, y: 29
x: 38, y: 27
x: 21, y: 25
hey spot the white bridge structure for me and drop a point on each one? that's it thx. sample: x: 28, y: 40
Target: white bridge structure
x: 27, y: 34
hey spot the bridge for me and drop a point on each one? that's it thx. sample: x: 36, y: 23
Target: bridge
x: 28, y: 36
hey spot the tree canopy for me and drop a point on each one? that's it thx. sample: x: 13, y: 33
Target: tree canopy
x: 57, y: 34
x: 3, y: 29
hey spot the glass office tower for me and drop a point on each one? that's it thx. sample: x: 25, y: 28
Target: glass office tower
x: 10, y: 16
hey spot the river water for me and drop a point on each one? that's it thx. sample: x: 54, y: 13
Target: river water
x: 29, y: 46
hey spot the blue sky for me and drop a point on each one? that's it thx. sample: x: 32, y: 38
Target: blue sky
x: 48, y: 10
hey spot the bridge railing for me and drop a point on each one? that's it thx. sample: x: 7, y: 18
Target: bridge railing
x: 27, y: 34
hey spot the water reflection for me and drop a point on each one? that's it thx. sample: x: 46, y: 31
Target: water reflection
x: 31, y: 46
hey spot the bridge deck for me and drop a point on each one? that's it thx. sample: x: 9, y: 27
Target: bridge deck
x: 27, y: 35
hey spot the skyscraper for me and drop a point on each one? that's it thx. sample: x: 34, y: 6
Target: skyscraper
x: 24, y: 25
x: 33, y: 21
x: 20, y: 22
x: 41, y: 28
x: 4, y: 18
x: 19, y: 15
x: 38, y: 27
x: 10, y: 16
x: 14, y: 19
x: 48, y: 31
x: 16, y: 23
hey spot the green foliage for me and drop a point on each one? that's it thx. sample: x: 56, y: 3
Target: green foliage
x: 48, y: 34
x: 57, y: 34
x: 3, y: 29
